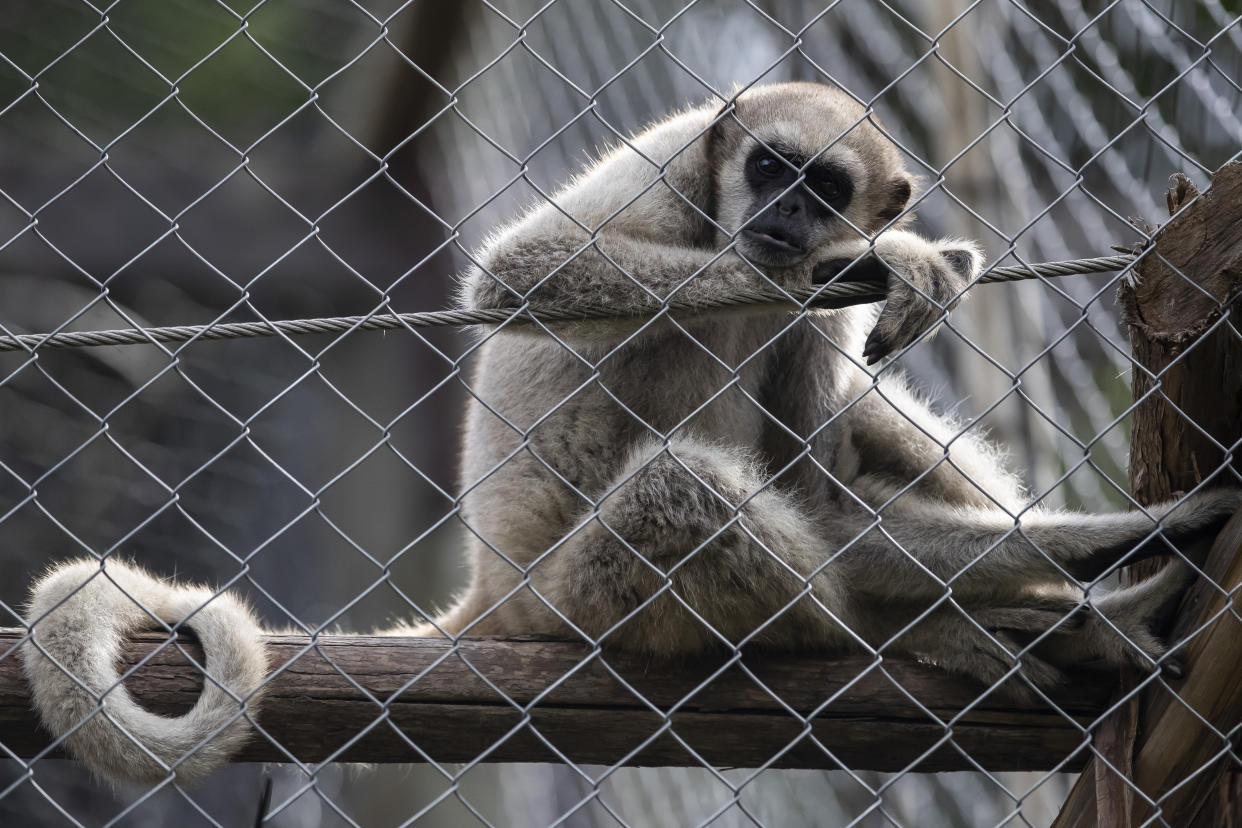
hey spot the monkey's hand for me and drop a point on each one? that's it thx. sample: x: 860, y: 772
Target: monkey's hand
x: 925, y: 281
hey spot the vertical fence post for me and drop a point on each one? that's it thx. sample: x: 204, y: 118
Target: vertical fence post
x: 1187, y: 383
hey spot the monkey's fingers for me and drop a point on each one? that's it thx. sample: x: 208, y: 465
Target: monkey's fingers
x: 907, y: 317
x: 867, y: 268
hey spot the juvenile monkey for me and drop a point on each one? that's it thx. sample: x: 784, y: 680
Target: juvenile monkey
x: 693, y: 482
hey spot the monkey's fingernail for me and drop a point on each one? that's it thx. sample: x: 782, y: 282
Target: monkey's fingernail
x: 1173, y: 668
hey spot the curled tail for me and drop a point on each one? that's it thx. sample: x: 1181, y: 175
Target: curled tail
x: 80, y: 615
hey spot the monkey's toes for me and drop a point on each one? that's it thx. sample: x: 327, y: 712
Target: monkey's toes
x: 868, y: 268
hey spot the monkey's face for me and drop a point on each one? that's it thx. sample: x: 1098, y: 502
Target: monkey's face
x: 794, y: 200
x: 803, y: 166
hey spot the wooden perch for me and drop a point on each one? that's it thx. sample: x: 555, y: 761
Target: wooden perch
x: 313, y: 711
x: 1182, y: 734
x: 1186, y: 425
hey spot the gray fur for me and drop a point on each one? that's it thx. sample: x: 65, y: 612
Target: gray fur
x: 686, y: 485
x: 82, y: 613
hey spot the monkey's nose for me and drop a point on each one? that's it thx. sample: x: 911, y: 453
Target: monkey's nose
x: 787, y: 207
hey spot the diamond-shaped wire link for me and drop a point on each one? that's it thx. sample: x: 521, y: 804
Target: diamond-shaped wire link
x: 182, y: 162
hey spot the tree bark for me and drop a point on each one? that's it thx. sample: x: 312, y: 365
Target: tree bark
x: 1187, y: 421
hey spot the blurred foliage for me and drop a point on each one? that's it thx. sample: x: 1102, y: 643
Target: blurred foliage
x: 240, y: 74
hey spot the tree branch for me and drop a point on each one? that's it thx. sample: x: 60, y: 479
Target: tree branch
x: 385, y: 699
x: 1187, y: 422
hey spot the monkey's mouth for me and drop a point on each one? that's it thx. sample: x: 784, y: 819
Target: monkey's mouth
x: 771, y: 237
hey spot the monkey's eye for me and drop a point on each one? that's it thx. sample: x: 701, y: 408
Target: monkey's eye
x: 768, y: 167
x: 827, y: 188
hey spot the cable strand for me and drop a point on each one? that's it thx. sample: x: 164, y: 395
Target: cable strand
x: 836, y: 294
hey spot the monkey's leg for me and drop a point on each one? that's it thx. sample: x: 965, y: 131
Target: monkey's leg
x: 917, y: 549
x: 689, y: 551
x: 1042, y: 636
x: 962, y: 645
x: 1056, y: 633
x: 1125, y: 625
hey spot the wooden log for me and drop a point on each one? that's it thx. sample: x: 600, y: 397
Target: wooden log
x: 1185, y: 732
x: 1178, y: 729
x: 1189, y: 389
x: 387, y: 699
x: 1187, y: 385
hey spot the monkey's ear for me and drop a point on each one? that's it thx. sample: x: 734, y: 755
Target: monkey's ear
x: 897, y: 196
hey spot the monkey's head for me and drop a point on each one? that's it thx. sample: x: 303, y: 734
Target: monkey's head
x: 850, y: 173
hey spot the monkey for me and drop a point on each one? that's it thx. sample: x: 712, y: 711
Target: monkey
x: 673, y: 483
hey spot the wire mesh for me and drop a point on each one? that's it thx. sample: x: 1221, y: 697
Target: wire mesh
x: 179, y: 162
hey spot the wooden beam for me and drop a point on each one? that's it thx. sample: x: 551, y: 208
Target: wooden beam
x: 1187, y: 420
x: 1184, y: 733
x: 1189, y: 390
x: 1179, y: 727
x: 506, y: 700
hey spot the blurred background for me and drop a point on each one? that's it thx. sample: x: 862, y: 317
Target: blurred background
x: 186, y: 161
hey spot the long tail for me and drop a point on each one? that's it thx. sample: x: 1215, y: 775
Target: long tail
x: 81, y: 613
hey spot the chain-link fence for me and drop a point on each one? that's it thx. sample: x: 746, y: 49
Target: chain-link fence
x: 168, y: 163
